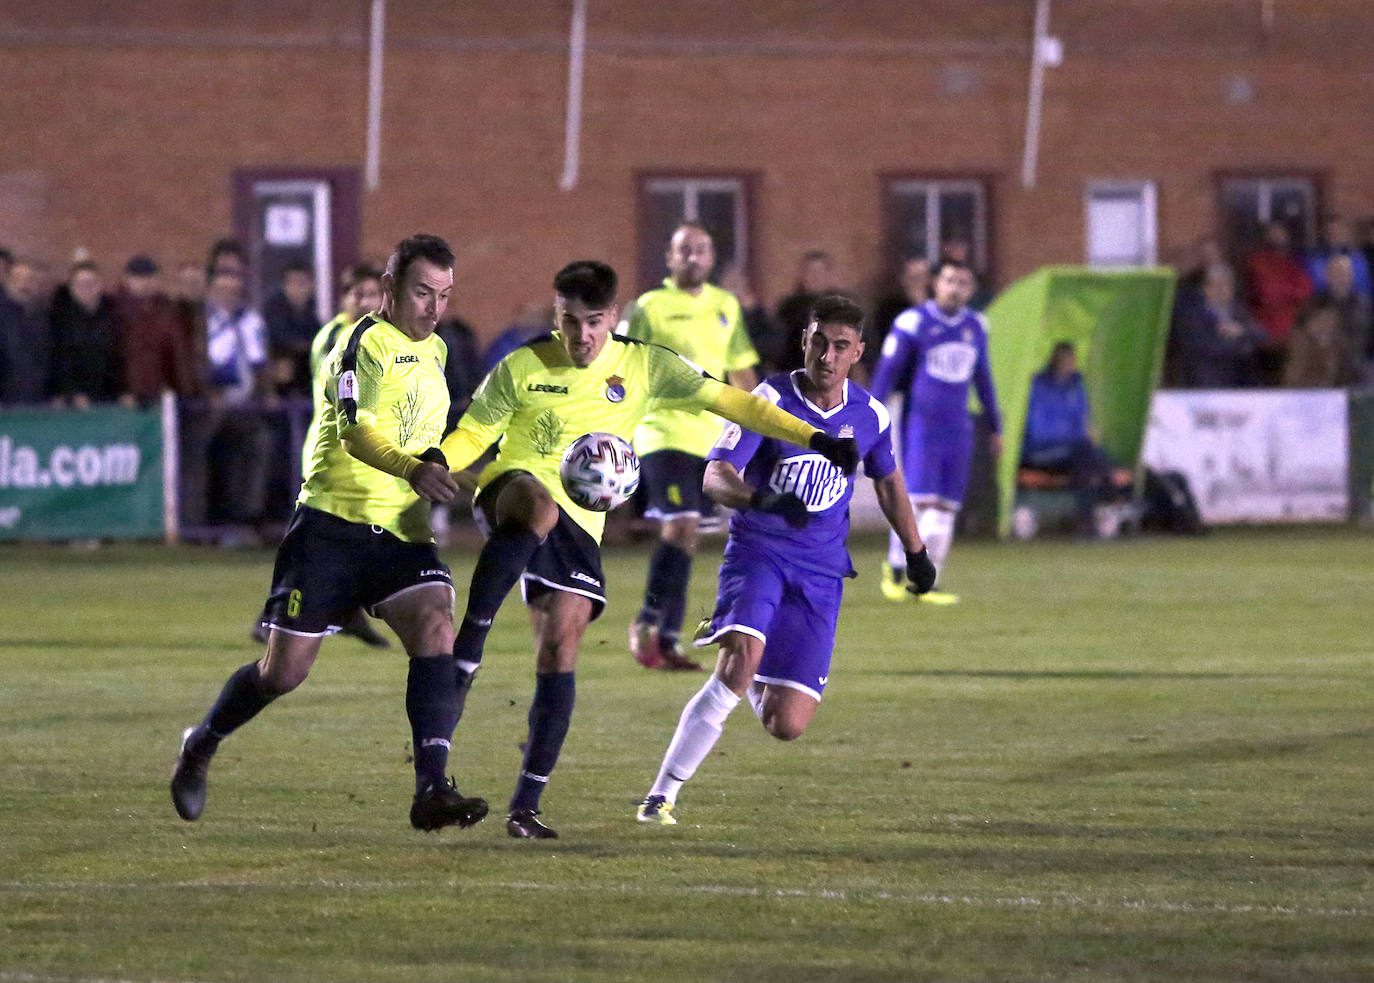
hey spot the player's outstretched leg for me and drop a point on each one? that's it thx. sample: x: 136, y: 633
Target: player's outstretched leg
x: 698, y: 729
x: 241, y: 699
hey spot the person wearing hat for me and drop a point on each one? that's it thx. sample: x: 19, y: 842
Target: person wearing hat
x: 157, y: 355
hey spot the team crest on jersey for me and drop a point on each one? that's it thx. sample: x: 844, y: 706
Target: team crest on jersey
x: 615, y: 388
x: 348, y: 385
x: 845, y: 431
x: 724, y: 321
x: 968, y: 336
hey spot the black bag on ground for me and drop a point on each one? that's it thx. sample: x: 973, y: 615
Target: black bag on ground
x: 1169, y: 505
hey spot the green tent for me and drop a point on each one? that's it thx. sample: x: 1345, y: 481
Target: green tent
x: 1118, y: 321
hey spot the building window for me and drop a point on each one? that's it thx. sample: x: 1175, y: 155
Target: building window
x: 1121, y: 222
x: 1247, y: 203
x: 719, y: 203
x: 926, y: 214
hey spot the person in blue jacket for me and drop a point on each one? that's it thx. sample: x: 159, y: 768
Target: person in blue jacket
x: 1058, y: 436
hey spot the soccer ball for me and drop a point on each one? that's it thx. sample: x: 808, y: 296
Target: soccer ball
x: 599, y: 471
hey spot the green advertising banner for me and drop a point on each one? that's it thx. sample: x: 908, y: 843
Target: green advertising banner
x: 94, y: 474
x: 1118, y: 321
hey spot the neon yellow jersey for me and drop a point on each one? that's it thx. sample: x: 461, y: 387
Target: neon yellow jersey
x: 537, y: 402
x: 376, y: 375
x: 321, y: 346
x: 708, y: 330
x: 325, y: 339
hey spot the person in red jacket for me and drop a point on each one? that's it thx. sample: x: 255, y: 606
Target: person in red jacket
x: 1278, y: 286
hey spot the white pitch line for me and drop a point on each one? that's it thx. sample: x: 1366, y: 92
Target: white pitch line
x: 8, y: 977
x: 1066, y: 901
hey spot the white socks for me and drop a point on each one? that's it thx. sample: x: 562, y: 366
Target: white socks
x: 936, y: 527
x: 703, y: 719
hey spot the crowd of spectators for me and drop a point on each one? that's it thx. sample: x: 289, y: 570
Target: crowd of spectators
x: 1277, y: 316
x: 1280, y: 316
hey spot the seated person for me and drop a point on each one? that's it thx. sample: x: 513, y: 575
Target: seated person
x: 1057, y: 438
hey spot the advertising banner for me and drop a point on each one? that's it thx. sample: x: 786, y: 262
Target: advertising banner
x: 1271, y: 456
x: 94, y: 474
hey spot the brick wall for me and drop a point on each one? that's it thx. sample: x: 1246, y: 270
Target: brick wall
x: 124, y: 123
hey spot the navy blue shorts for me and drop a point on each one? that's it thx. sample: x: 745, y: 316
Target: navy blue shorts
x: 792, y: 611
x: 328, y: 567
x: 672, y: 485
x: 568, y: 560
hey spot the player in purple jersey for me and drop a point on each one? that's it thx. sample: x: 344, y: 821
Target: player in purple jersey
x: 785, y: 562
x: 932, y: 354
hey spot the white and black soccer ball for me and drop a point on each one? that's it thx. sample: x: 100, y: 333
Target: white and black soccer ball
x: 599, y: 471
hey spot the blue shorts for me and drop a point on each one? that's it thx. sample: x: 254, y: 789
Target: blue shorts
x: 793, y: 611
x: 672, y: 485
x: 935, y: 459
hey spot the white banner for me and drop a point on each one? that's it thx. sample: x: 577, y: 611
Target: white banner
x: 1255, y: 456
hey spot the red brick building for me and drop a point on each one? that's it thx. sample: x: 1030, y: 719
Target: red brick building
x: 863, y: 127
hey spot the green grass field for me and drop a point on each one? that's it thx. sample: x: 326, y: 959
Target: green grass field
x: 1140, y: 760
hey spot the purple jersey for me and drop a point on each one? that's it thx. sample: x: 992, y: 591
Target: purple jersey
x: 777, y: 466
x: 938, y: 355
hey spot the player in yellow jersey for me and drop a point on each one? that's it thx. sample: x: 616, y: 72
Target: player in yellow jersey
x: 538, y: 399
x: 362, y: 294
x: 360, y: 535
x: 702, y: 323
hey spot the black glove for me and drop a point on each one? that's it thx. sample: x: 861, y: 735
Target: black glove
x: 785, y: 504
x: 433, y: 455
x: 843, y: 452
x: 920, y: 572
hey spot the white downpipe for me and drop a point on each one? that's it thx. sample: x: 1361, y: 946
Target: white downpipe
x: 171, y: 468
x: 572, y: 131
x: 376, y: 43
x: 1031, y: 156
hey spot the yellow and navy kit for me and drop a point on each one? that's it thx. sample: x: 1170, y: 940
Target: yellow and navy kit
x: 322, y: 344
x: 377, y: 385
x: 705, y: 328
x: 325, y: 339
x: 537, y: 402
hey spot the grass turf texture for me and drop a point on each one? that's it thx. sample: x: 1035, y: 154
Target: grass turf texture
x: 1136, y: 760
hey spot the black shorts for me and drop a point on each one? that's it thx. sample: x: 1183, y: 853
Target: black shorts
x: 328, y: 567
x: 672, y: 485
x: 568, y: 560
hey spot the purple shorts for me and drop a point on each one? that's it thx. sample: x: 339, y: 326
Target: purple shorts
x: 935, y: 459
x: 793, y: 611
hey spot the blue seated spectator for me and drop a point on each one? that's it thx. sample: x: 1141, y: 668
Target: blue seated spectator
x: 1058, y: 437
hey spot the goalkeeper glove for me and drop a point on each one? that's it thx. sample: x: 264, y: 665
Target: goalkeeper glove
x: 785, y: 504
x: 920, y: 571
x: 843, y: 452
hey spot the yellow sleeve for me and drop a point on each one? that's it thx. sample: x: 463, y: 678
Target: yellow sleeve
x: 756, y: 413
x: 365, y: 442
x: 492, y: 406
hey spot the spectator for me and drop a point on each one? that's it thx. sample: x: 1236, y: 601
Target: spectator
x: 530, y: 321
x: 815, y: 276
x: 229, y: 444
x: 1058, y: 436
x: 1339, y: 240
x: 762, y: 329
x: 87, y: 360
x: 912, y: 290
x: 463, y: 370
x: 157, y: 351
x: 1331, y: 336
x: 26, y: 346
x: 1278, y: 287
x: 291, y: 326
x: 1215, y: 339
x: 226, y: 255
